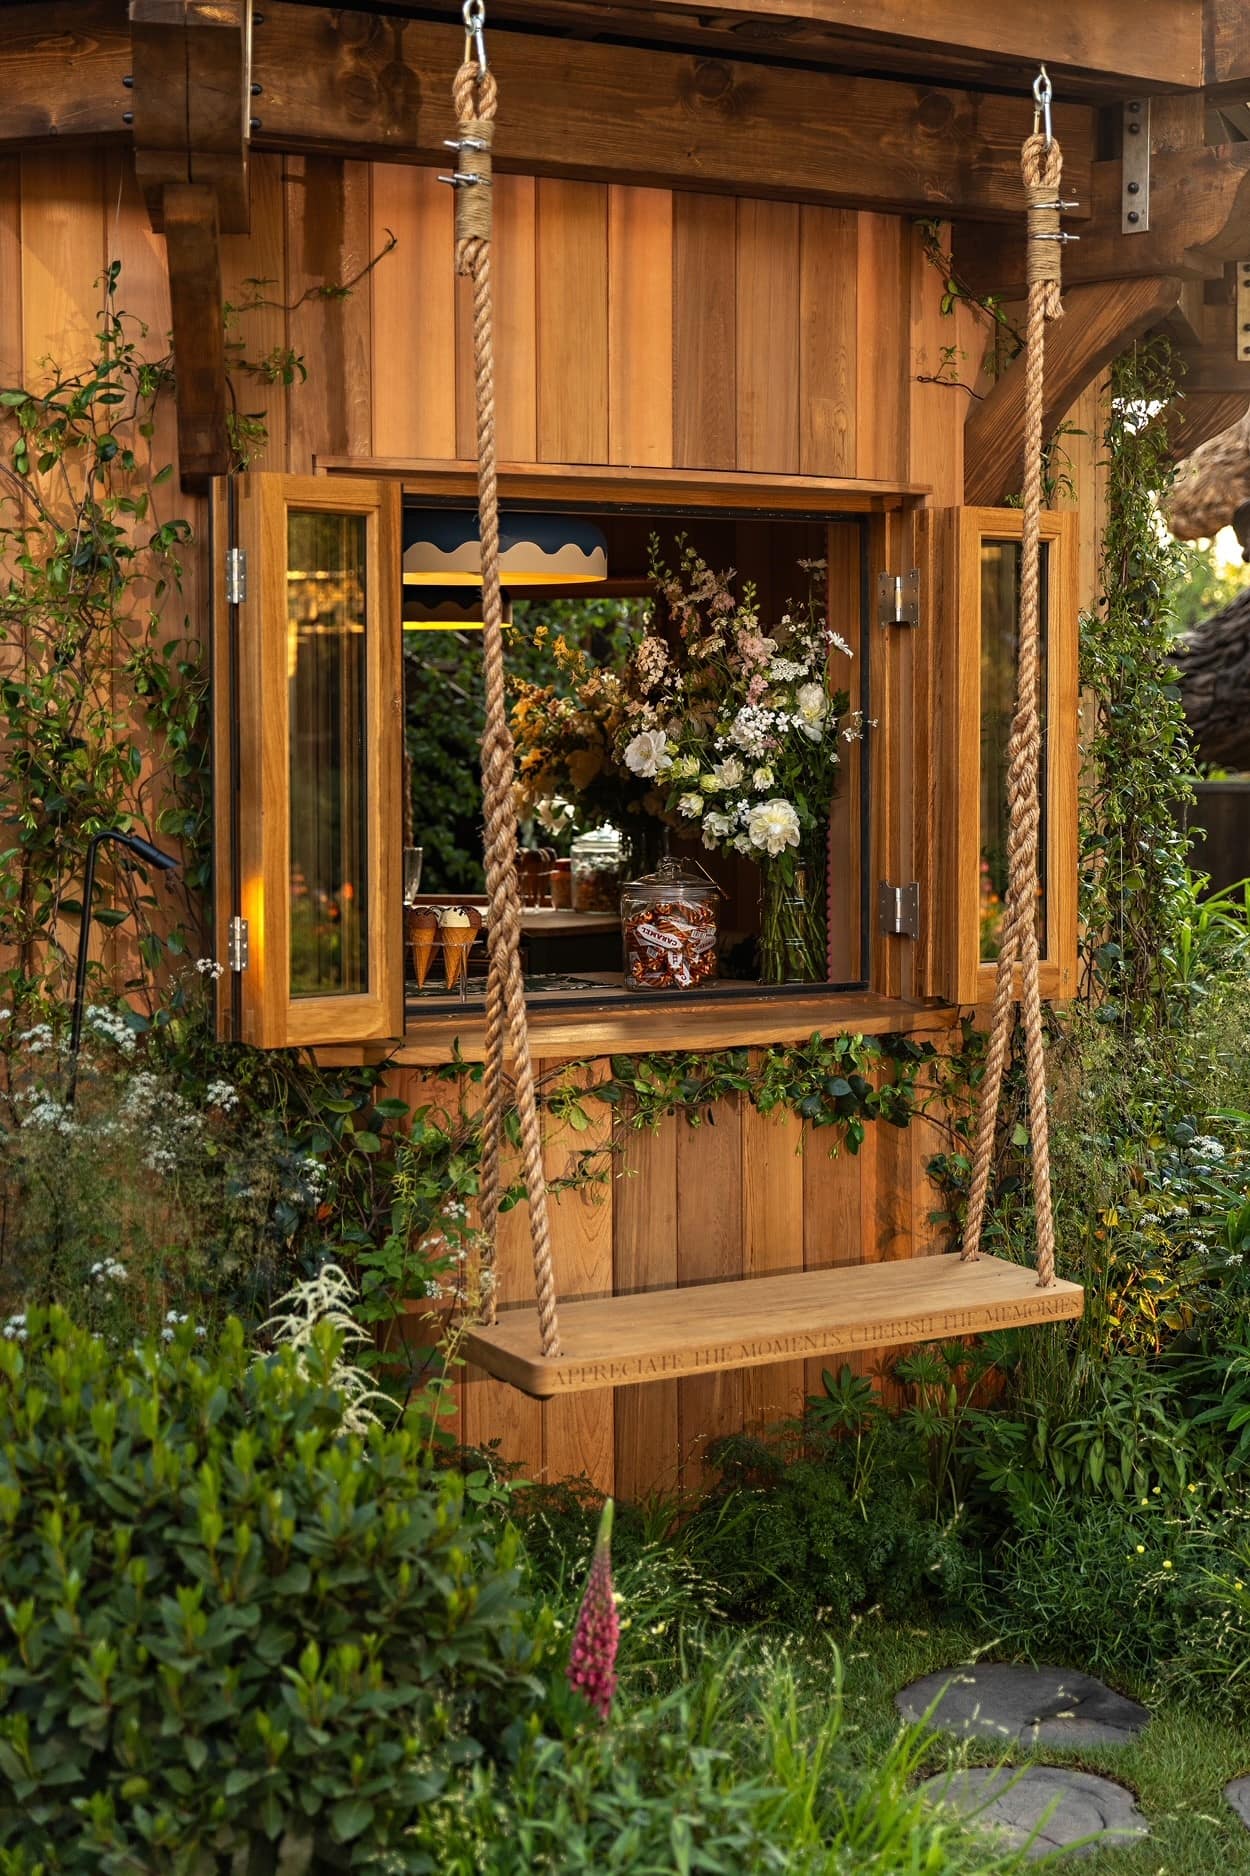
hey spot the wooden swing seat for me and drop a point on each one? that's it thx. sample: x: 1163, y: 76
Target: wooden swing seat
x: 657, y: 1335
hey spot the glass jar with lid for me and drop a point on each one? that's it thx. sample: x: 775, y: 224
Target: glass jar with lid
x: 598, y: 864
x: 669, y: 928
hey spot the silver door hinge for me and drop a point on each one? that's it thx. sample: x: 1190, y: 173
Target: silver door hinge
x: 898, y: 598
x: 898, y: 909
x: 236, y: 944
x: 1135, y: 168
x: 236, y: 576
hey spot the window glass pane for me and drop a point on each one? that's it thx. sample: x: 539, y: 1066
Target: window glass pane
x: 326, y: 600
x: 1000, y: 641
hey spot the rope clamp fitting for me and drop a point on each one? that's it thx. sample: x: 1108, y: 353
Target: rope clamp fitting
x: 469, y: 179
x: 477, y: 143
x: 1047, y: 236
x: 1063, y: 207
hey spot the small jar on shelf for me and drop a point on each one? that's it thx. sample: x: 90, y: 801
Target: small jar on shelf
x: 598, y: 864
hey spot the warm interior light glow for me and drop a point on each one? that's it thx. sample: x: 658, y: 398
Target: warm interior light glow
x: 447, y: 609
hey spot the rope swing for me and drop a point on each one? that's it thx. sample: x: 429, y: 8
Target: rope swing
x: 1042, y: 167
x: 475, y: 97
x: 623, y: 1339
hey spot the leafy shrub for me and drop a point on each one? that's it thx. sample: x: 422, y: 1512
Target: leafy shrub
x: 228, y: 1627
x: 822, y: 1535
x: 1150, y: 1587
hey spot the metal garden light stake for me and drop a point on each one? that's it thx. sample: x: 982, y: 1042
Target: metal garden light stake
x: 142, y: 850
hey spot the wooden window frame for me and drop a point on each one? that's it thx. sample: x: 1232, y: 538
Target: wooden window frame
x: 954, y: 538
x: 254, y: 831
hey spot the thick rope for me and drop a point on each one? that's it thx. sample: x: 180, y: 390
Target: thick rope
x: 1042, y: 168
x: 475, y: 103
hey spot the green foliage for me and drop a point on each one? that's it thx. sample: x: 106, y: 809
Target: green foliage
x: 443, y: 719
x: 1205, y: 586
x: 828, y: 1082
x: 752, y: 1766
x: 793, y: 1544
x: 228, y: 1628
x: 1138, y: 762
x: 102, y: 717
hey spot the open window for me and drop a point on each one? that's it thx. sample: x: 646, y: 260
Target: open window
x: 308, y: 715
x: 347, y: 716
x: 975, y: 565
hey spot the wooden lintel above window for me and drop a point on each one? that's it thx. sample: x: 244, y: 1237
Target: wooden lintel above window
x: 611, y: 486
x: 355, y: 84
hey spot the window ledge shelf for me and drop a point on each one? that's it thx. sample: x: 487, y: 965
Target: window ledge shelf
x: 640, y: 1026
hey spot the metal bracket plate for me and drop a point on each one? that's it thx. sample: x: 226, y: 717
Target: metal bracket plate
x: 898, y: 909
x: 1135, y: 164
x: 898, y: 598
x: 1243, y: 310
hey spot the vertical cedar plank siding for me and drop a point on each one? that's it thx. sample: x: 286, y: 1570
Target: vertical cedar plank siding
x: 635, y: 326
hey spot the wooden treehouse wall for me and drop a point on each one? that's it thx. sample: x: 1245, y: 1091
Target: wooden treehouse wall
x: 637, y: 326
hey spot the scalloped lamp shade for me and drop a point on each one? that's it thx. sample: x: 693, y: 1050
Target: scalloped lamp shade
x: 442, y: 548
x: 447, y: 609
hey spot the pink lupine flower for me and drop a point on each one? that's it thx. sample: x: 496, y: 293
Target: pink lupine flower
x: 592, y: 1662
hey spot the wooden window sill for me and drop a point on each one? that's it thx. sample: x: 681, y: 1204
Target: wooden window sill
x: 642, y: 1024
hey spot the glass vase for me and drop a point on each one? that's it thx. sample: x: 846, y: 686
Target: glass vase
x: 794, y: 942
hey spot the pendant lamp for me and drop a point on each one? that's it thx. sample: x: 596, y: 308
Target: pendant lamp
x: 442, y: 548
x: 447, y: 609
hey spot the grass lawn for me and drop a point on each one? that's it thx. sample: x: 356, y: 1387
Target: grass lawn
x: 1178, y: 1768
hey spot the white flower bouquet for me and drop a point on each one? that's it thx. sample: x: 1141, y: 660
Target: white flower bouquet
x: 740, y: 730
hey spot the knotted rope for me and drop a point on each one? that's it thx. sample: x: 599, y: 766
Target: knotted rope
x: 1042, y: 164
x: 475, y: 100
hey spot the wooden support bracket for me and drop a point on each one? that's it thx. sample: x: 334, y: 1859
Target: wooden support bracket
x: 1098, y: 322
x: 1200, y: 210
x: 189, y: 216
x: 1196, y: 416
x: 192, y: 101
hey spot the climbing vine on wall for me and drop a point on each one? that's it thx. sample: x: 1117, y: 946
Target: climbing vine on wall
x: 101, y: 704
x: 1138, y: 760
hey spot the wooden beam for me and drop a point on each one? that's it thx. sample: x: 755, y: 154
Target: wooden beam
x: 1214, y: 365
x: 61, y: 70
x: 1098, y: 322
x: 1157, y: 42
x: 192, y: 104
x: 1097, y: 56
x: 355, y: 83
x: 189, y: 214
x: 1196, y: 416
x: 1226, y: 50
x: 1199, y: 212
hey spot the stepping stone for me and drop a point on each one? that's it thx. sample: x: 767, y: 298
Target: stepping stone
x: 1036, y: 1706
x: 1062, y: 1806
x: 1238, y: 1795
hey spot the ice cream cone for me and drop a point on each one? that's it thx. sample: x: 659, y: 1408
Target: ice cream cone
x: 458, y: 932
x: 423, y: 933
